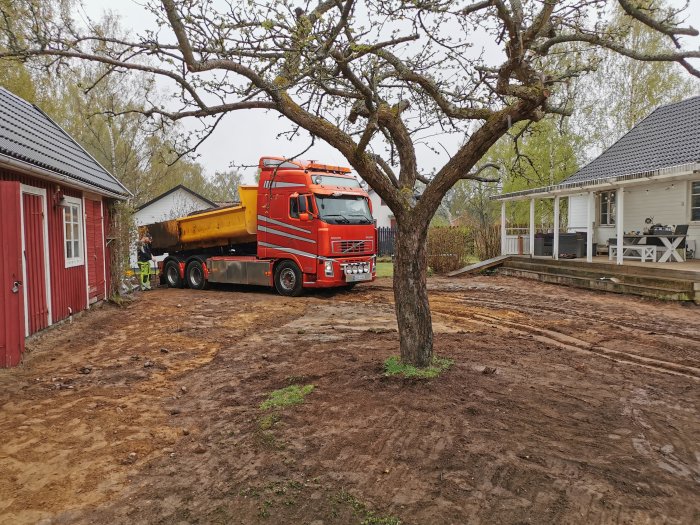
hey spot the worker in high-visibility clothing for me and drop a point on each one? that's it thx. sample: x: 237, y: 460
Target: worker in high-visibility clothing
x: 144, y: 259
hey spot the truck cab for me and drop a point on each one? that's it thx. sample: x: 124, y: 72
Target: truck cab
x: 320, y: 217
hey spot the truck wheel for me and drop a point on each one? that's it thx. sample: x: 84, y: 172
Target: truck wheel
x: 288, y: 279
x: 172, y: 275
x: 195, y: 276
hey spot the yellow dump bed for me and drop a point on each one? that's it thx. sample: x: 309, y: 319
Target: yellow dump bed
x: 219, y: 227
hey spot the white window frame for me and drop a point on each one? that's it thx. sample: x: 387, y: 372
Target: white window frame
x: 690, y: 200
x: 79, y: 260
x: 611, y: 211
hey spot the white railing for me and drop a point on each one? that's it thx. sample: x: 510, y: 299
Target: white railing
x: 512, y: 244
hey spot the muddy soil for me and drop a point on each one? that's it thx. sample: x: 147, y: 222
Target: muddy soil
x: 150, y: 413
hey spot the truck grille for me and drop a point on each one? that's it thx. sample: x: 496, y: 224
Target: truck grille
x: 352, y: 246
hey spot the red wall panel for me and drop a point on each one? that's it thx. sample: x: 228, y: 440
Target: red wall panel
x: 11, y: 295
x: 108, y: 247
x: 95, y: 252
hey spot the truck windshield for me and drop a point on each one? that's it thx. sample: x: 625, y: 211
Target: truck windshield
x: 345, y: 209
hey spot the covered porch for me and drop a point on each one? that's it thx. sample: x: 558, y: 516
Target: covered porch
x: 615, y: 212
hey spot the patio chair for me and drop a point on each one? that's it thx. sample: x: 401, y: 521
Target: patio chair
x: 682, y: 229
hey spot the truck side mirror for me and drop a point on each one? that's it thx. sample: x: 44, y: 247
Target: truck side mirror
x: 302, y: 204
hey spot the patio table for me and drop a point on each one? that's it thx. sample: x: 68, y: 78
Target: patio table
x: 669, y: 245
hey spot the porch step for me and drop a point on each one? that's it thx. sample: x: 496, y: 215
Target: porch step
x: 594, y: 271
x: 667, y: 271
x: 671, y: 285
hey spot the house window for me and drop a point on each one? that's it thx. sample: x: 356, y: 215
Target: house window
x: 73, y: 228
x: 607, y: 208
x: 695, y: 201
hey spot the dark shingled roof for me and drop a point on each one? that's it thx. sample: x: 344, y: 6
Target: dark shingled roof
x: 178, y: 187
x: 29, y: 135
x: 669, y: 136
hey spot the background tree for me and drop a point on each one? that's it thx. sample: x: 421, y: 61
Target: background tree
x: 373, y: 80
x: 622, y: 91
x: 223, y: 186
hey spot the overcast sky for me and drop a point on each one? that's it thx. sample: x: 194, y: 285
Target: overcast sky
x: 243, y: 137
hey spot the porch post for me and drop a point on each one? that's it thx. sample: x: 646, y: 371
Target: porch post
x: 532, y: 227
x: 503, y: 228
x: 619, y: 220
x: 590, y: 213
x: 555, y: 248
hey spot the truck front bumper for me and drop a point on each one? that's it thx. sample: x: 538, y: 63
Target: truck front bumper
x: 341, y: 272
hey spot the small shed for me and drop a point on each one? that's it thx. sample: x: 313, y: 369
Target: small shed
x: 176, y: 202
x: 54, y: 224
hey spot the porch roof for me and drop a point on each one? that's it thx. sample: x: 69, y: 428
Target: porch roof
x: 666, y: 143
x: 571, y: 187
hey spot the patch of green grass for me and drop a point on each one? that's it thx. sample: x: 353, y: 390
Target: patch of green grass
x: 394, y: 367
x: 267, y: 422
x: 385, y: 269
x: 360, y: 510
x: 288, y: 396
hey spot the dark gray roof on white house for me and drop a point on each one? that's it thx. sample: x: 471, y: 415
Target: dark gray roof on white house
x: 27, y: 134
x: 668, y: 136
x: 172, y: 190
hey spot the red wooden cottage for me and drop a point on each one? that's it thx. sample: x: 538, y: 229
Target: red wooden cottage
x: 53, y: 223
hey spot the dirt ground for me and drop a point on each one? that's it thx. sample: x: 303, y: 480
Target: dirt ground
x: 150, y: 413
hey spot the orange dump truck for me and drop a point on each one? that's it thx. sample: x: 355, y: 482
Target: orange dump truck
x: 305, y: 225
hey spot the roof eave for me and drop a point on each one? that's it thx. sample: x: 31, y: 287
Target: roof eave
x: 50, y: 175
x: 574, y: 187
x: 174, y: 189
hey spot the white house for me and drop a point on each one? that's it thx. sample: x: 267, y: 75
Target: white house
x: 174, y: 203
x: 380, y: 211
x: 649, y: 176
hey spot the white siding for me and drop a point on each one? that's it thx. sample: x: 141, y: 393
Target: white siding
x: 176, y: 204
x: 666, y: 203
x: 380, y: 212
x: 577, y: 212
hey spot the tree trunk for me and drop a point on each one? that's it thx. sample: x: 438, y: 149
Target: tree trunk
x: 411, y: 295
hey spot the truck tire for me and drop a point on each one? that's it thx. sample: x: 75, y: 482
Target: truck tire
x: 195, y: 276
x: 288, y: 279
x: 171, y: 272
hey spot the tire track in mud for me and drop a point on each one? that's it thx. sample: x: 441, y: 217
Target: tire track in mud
x: 623, y: 324
x: 554, y: 337
x: 567, y: 342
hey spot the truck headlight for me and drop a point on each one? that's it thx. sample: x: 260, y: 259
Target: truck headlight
x: 329, y: 268
x: 348, y: 269
x: 354, y: 268
x: 365, y: 267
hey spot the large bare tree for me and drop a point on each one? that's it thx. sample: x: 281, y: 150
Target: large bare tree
x: 373, y: 79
